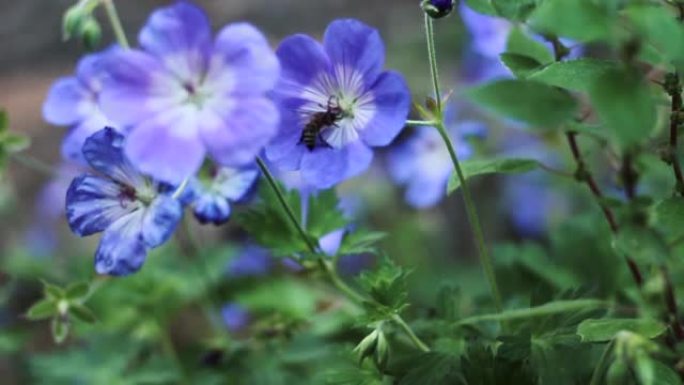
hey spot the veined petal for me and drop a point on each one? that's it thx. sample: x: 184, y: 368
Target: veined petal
x: 68, y: 101
x: 211, y: 207
x: 160, y: 220
x: 72, y: 145
x: 122, y: 250
x: 242, y: 62
x: 94, y: 203
x: 167, y: 147
x: 138, y: 87
x: 391, y: 102
x: 284, y: 150
x: 302, y: 59
x: 325, y: 167
x: 351, y: 43
x: 104, y: 152
x: 180, y: 36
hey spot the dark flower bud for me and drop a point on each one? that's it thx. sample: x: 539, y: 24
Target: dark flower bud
x: 72, y: 23
x: 91, y: 33
x: 437, y: 9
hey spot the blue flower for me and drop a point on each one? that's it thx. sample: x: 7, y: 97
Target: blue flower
x: 489, y: 34
x: 210, y: 198
x: 124, y: 205
x: 252, y: 261
x: 235, y: 317
x: 74, y: 101
x: 186, y: 95
x: 423, y: 164
x: 337, y: 103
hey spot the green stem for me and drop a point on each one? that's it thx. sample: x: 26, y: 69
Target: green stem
x: 420, y: 122
x: 288, y: 210
x: 409, y: 332
x: 34, y: 164
x: 114, y: 20
x: 602, y: 364
x: 471, y: 211
x: 328, y: 266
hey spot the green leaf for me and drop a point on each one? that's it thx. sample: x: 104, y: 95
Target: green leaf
x: 600, y: 330
x: 521, y: 66
x: 642, y: 244
x: 536, y: 103
x: 625, y: 104
x: 664, y: 375
x: 43, y: 309
x: 668, y: 216
x: 473, y: 168
x: 660, y: 28
x: 82, y: 313
x: 521, y: 43
x: 387, y: 286
x: 551, y: 308
x: 580, y: 20
x: 433, y: 368
x: 4, y: 121
x: 14, y: 143
x: 53, y: 291
x: 323, y: 214
x: 482, y: 6
x: 77, y: 290
x: 360, y: 241
x: 517, y: 10
x: 576, y: 75
x: 60, y: 329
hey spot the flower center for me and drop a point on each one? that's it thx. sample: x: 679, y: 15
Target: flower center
x: 195, y: 95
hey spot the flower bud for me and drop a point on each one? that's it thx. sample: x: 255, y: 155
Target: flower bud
x: 72, y: 22
x: 91, y: 33
x: 437, y: 9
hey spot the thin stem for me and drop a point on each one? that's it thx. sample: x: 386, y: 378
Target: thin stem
x: 602, y: 365
x: 337, y: 281
x: 115, y: 22
x: 409, y: 332
x: 283, y: 203
x: 432, y: 55
x: 420, y: 122
x: 474, y: 220
x: 34, y: 164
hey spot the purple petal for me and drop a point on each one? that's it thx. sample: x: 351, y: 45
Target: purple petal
x: 167, y: 147
x: 235, y: 317
x: 392, y: 100
x: 284, y: 150
x: 138, y: 87
x: 161, y: 219
x: 424, y: 192
x: 235, y: 135
x: 325, y: 167
x: 94, y: 203
x: 234, y: 184
x: 122, y: 250
x: 72, y: 145
x: 104, y: 152
x: 302, y: 59
x: 359, y: 158
x: 67, y: 102
x: 243, y: 62
x: 211, y: 208
x: 353, y: 44
x: 489, y: 34
x: 180, y: 36
x: 330, y: 243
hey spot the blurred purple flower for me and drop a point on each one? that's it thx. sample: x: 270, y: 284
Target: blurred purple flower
x: 74, y: 101
x: 185, y: 95
x: 423, y: 164
x: 125, y: 206
x: 489, y: 34
x: 210, y: 198
x: 252, y: 261
x: 344, y: 78
x: 235, y: 317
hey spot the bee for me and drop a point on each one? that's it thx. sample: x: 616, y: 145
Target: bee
x: 312, y: 130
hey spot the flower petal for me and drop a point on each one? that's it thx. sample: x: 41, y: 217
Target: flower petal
x: 302, y: 59
x: 67, y: 102
x: 325, y: 167
x: 161, y: 219
x: 104, y: 152
x: 392, y: 103
x: 284, y: 150
x: 233, y: 184
x: 330, y: 243
x: 137, y: 87
x: 243, y: 62
x: 211, y: 208
x: 236, y: 134
x: 180, y: 36
x: 94, y: 203
x: 122, y: 250
x: 353, y: 44
x: 167, y: 147
x: 424, y: 192
x: 72, y: 145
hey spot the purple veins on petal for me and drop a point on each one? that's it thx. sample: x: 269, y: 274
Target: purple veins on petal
x: 184, y: 91
x: 127, y: 207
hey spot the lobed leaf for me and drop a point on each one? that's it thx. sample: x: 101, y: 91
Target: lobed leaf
x: 601, y: 330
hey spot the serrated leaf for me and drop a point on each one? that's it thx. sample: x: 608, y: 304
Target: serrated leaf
x: 473, y: 168
x: 323, y: 214
x: 600, y: 330
x: 60, y: 329
x: 387, y: 286
x: 580, y: 20
x: 576, y: 75
x: 521, y: 66
x: 521, y: 43
x: 43, y: 309
x: 551, y: 308
x: 540, y: 105
x: 360, y: 241
x: 626, y: 106
x: 82, y: 313
x: 77, y: 290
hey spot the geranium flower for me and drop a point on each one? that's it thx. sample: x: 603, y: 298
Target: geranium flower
x: 344, y: 78
x: 423, y: 164
x: 210, y: 196
x: 127, y: 207
x: 184, y: 95
x: 235, y: 316
x: 74, y: 101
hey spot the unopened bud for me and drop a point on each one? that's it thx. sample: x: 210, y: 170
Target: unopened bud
x: 437, y: 9
x: 91, y: 33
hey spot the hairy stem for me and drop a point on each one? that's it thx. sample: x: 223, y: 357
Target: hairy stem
x: 115, y: 22
x: 471, y: 210
x: 409, y: 332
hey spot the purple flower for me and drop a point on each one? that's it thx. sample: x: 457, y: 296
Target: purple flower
x: 124, y: 205
x: 337, y: 103
x: 210, y: 197
x: 185, y: 95
x: 423, y: 164
x: 253, y: 261
x: 489, y: 34
x: 74, y: 101
x: 235, y: 317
